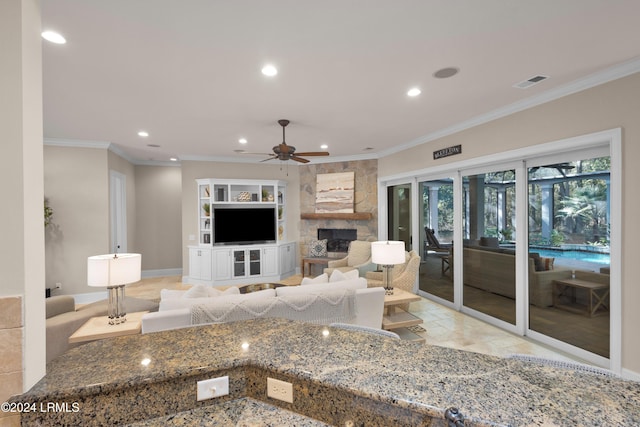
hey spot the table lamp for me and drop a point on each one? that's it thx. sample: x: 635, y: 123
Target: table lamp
x: 387, y: 254
x: 113, y: 271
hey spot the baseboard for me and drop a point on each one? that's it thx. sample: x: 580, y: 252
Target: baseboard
x: 161, y: 273
x: 90, y: 297
x: 630, y: 375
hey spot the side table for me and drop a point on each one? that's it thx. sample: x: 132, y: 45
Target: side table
x: 307, y: 261
x: 397, y: 320
x: 98, y: 328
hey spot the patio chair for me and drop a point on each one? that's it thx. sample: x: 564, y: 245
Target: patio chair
x: 431, y: 243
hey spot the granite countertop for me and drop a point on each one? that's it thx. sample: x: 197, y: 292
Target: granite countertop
x: 339, y: 378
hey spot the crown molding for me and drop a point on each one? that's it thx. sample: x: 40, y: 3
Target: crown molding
x: 610, y: 74
x: 76, y: 143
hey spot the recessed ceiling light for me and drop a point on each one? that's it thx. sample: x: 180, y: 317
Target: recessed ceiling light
x: 324, y: 146
x: 414, y: 92
x: 445, y: 73
x: 269, y: 70
x: 242, y: 140
x: 143, y: 133
x: 174, y: 159
x: 153, y: 145
x: 53, y: 37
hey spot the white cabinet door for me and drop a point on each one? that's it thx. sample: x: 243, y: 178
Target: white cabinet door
x: 222, y: 264
x: 287, y: 258
x: 270, y: 261
x: 200, y: 263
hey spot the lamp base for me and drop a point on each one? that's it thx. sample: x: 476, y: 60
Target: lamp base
x: 388, y: 289
x: 116, y: 311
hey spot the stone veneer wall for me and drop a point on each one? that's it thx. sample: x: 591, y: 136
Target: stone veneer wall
x: 366, y: 200
x: 11, y: 330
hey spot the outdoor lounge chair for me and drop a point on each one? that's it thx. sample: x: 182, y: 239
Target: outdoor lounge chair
x: 432, y: 244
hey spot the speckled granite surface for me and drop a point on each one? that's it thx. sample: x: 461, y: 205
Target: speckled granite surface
x: 340, y: 378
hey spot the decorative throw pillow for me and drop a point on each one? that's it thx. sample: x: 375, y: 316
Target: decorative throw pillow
x: 340, y: 276
x: 197, y: 291
x: 318, y: 248
x: 323, y: 278
x: 544, y: 264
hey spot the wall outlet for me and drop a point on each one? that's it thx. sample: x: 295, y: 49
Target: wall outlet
x: 280, y: 390
x: 215, y: 387
x: 58, y: 285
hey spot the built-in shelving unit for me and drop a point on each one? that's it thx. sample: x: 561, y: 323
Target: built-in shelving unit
x: 211, y: 262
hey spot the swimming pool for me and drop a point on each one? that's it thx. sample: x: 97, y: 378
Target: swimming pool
x: 599, y: 258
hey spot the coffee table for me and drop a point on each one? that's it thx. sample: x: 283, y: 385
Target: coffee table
x: 597, y: 296
x: 396, y: 319
x: 254, y: 287
x: 98, y: 328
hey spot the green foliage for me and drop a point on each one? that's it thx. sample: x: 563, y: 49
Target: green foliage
x: 48, y: 212
x: 557, y: 238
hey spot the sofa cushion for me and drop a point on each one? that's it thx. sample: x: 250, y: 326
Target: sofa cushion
x: 59, y: 304
x: 175, y: 303
x: 354, y: 284
x: 211, y: 292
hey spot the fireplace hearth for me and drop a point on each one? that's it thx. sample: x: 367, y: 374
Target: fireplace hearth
x: 338, y: 239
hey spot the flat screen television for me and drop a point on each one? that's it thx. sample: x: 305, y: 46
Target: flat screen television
x: 243, y: 226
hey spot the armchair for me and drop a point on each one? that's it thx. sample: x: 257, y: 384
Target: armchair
x: 358, y: 258
x: 403, y: 276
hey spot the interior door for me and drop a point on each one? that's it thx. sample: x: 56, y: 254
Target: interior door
x: 399, y: 214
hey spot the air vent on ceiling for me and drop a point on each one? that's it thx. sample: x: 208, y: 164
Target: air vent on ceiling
x: 530, y: 82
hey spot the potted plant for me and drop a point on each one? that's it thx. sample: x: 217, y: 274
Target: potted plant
x: 207, y: 209
x: 48, y: 212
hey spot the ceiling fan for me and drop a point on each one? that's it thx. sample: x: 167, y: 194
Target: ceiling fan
x: 283, y: 151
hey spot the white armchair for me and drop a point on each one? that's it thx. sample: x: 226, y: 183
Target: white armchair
x: 403, y: 276
x: 358, y: 258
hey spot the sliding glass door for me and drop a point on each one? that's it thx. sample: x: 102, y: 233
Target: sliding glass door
x: 530, y: 244
x: 569, y: 257
x: 488, y: 253
x: 436, y: 237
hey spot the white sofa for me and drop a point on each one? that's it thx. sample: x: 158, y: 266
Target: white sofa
x: 175, y: 309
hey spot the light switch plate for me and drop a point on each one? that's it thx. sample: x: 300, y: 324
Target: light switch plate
x: 214, y: 387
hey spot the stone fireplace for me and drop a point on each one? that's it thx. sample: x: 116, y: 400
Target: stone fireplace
x: 365, y: 201
x: 338, y: 239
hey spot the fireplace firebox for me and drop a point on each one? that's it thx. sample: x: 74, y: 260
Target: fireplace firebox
x: 338, y: 239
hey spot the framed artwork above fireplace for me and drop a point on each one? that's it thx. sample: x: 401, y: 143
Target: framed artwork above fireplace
x: 335, y: 192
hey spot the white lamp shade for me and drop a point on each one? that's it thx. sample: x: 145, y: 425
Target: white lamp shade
x: 109, y: 270
x: 387, y: 252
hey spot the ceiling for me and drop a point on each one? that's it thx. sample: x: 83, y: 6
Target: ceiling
x: 188, y: 72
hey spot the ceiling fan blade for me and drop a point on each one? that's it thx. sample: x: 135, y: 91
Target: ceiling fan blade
x: 270, y: 158
x: 299, y: 159
x: 258, y: 154
x: 313, y: 153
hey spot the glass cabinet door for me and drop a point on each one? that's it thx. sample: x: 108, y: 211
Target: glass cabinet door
x: 239, y: 269
x: 254, y: 262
